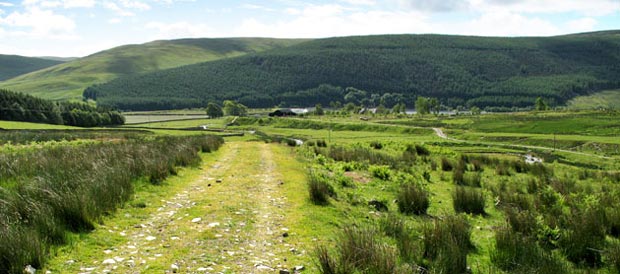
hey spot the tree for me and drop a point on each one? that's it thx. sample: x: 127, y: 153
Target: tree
x: 234, y: 109
x: 399, y: 108
x: 318, y: 109
x: 540, y: 104
x: 214, y: 110
x: 434, y: 105
x: 475, y: 110
x: 422, y: 105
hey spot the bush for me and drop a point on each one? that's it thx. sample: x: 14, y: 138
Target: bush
x: 358, y: 250
x: 319, y: 188
x: 376, y: 145
x: 446, y: 165
x: 413, y: 199
x: 422, y: 151
x: 446, y: 244
x: 468, y: 200
x: 612, y: 256
x: 381, y: 172
x: 584, y: 236
x: 517, y: 253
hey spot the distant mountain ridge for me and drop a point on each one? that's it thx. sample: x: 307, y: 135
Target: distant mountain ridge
x: 68, y: 80
x: 492, y: 72
x: 15, y: 65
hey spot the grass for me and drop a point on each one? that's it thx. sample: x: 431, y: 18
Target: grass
x: 528, y: 211
x: 49, y: 192
x: 609, y: 99
x: 26, y: 125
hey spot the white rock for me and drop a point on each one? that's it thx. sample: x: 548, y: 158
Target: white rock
x: 214, y: 224
x: 150, y: 238
x: 264, y: 267
x: 195, y: 220
x: 175, y: 268
x: 30, y: 270
x: 109, y: 261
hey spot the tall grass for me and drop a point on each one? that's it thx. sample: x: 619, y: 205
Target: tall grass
x: 358, y: 250
x: 517, y: 253
x: 319, y: 187
x: 468, y: 200
x: 446, y: 244
x: 413, y: 199
x: 47, y: 192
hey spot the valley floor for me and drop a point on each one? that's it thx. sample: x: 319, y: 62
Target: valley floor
x: 231, y: 216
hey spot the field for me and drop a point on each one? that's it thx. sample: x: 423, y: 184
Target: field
x: 383, y: 194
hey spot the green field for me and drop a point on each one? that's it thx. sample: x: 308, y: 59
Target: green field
x: 388, y: 185
x: 609, y: 99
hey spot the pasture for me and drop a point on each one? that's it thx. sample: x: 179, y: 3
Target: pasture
x: 414, y: 201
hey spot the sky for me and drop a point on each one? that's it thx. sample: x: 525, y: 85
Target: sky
x: 75, y: 28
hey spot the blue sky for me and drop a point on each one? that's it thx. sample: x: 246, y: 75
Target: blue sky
x: 82, y: 27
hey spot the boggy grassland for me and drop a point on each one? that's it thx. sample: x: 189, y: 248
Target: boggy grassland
x: 384, y: 194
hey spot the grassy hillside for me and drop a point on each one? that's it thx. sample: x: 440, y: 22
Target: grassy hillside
x: 608, y: 99
x: 68, y: 80
x: 13, y: 65
x: 459, y: 70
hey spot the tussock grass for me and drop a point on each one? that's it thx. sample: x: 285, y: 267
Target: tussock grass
x: 358, y: 250
x: 446, y: 244
x: 48, y: 192
x: 517, y: 253
x: 468, y: 200
x: 413, y: 199
x: 319, y: 187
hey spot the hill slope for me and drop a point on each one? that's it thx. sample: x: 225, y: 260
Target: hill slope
x: 68, y: 80
x: 460, y: 70
x: 14, y: 65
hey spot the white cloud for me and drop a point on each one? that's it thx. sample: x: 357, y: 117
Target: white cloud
x: 40, y: 23
x: 181, y: 29
x: 6, y: 4
x: 502, y: 24
x: 360, y: 2
x: 138, y: 5
x: 335, y: 20
x: 78, y: 3
x: 115, y: 21
x: 582, y: 24
x: 587, y: 7
x: 256, y: 7
x: 118, y: 10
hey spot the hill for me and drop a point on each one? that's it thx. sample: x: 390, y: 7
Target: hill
x: 68, y: 80
x: 499, y: 73
x: 14, y: 65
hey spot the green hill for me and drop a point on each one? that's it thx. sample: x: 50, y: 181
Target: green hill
x: 68, y: 80
x: 13, y: 65
x: 459, y: 70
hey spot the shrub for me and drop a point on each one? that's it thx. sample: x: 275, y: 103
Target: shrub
x: 376, y: 145
x: 468, y: 200
x: 446, y: 244
x: 446, y: 165
x: 413, y: 199
x: 319, y: 188
x: 584, y: 236
x: 422, y: 151
x: 612, y: 256
x: 358, y: 250
x: 381, y: 172
x: 517, y: 253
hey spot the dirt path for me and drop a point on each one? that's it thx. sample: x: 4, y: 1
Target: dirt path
x: 229, y: 220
